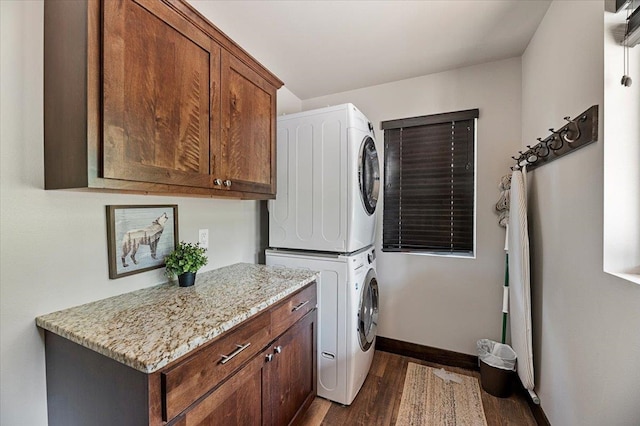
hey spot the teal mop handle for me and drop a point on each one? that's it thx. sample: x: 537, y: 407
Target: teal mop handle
x: 506, y: 284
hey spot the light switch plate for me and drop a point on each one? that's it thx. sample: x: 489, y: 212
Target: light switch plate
x: 203, y: 238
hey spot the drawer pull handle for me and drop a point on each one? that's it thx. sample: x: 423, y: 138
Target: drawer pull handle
x: 299, y: 306
x: 226, y: 358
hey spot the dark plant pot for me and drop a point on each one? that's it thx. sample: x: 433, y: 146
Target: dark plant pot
x: 187, y: 279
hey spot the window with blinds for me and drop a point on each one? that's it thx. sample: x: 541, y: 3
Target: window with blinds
x: 429, y: 183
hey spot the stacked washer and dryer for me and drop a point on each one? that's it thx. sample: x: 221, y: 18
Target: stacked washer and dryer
x: 323, y: 219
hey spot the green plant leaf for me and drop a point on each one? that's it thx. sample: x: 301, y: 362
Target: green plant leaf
x: 187, y: 257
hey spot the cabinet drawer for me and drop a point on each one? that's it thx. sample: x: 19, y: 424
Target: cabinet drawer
x: 238, y: 401
x: 189, y: 380
x: 294, y: 308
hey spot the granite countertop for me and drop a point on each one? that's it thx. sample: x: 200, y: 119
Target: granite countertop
x: 149, y: 328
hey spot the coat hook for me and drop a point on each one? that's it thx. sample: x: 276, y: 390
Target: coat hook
x: 570, y: 134
x: 542, y: 147
x: 550, y: 144
x: 570, y: 139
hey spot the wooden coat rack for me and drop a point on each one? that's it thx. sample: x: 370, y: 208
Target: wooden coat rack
x: 579, y: 132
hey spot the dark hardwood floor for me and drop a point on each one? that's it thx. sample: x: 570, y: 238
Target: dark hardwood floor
x: 378, y: 401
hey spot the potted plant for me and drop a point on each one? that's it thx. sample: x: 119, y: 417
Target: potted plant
x: 185, y: 261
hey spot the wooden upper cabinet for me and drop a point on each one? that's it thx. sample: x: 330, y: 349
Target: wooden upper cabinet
x: 160, y: 77
x: 248, y: 127
x: 149, y: 96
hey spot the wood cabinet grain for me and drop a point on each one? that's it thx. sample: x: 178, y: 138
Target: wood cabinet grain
x: 157, y: 74
x: 248, y: 127
x: 293, y: 309
x: 281, y: 380
x: 290, y: 378
x: 190, y: 379
x: 238, y: 401
x: 148, y: 96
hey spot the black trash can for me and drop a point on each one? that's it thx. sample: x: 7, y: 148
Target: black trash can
x: 497, y: 367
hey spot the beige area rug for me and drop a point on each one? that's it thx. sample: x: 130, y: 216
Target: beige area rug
x: 429, y: 400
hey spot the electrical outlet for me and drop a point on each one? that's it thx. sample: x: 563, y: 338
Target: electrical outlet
x: 203, y: 238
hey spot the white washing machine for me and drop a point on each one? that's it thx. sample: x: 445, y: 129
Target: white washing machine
x: 328, y: 181
x: 347, y: 317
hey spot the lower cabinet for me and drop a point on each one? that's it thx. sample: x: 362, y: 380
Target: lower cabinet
x: 261, y: 372
x: 289, y: 381
x: 274, y: 388
x: 238, y: 401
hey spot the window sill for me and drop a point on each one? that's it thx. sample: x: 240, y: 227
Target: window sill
x: 634, y: 278
x: 453, y: 255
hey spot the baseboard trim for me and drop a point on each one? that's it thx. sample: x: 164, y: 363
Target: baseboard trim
x: 427, y: 353
x: 538, y: 413
x: 536, y: 410
x: 452, y: 359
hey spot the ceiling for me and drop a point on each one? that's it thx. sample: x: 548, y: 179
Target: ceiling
x: 322, y: 47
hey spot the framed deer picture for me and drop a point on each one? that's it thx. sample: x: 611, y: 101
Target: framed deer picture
x: 139, y: 237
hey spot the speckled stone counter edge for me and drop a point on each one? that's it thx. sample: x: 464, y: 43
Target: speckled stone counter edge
x: 148, y: 329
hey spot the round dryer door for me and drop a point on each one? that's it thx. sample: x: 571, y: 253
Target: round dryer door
x: 369, y: 175
x: 368, y: 311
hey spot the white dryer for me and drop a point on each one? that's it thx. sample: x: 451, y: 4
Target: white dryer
x: 347, y: 316
x: 327, y: 181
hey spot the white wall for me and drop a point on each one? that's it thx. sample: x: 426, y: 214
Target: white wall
x: 621, y: 154
x: 444, y: 302
x: 53, y: 243
x: 288, y: 103
x: 586, y: 342
x: 585, y: 322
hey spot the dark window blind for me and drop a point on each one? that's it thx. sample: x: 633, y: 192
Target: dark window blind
x: 429, y: 187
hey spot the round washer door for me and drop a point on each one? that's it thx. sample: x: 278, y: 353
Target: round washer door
x: 368, y: 311
x: 369, y: 175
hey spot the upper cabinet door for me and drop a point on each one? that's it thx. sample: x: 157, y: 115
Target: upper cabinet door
x: 161, y: 113
x: 248, y: 128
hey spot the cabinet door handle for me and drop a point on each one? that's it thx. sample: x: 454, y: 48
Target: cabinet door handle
x: 299, y: 306
x: 227, y: 183
x: 277, y: 350
x: 217, y: 182
x: 269, y: 357
x: 226, y: 358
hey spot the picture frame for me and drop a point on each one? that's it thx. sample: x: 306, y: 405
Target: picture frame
x: 139, y: 237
